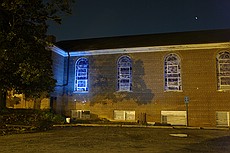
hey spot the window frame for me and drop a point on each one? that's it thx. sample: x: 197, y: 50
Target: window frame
x: 81, y: 75
x: 172, y: 73
x: 223, y: 58
x: 124, y: 77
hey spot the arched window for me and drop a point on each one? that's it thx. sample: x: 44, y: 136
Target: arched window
x: 172, y: 73
x: 124, y: 69
x: 223, y: 70
x: 81, y: 75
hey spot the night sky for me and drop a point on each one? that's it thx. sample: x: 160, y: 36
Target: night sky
x: 106, y: 18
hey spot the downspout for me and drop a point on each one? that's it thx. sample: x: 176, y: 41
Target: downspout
x: 67, y: 72
x: 66, y: 83
x: 67, y: 75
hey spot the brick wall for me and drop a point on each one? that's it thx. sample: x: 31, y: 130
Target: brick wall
x: 199, y: 82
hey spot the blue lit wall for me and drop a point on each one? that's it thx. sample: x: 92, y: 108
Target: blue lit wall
x: 58, y: 71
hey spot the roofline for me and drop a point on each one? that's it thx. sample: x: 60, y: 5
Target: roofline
x: 141, y: 49
x: 158, y: 39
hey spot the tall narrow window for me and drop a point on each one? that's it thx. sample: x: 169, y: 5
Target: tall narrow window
x: 223, y: 70
x: 124, y: 69
x: 81, y: 75
x: 172, y: 73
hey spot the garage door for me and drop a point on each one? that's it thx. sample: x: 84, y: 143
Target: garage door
x: 173, y: 117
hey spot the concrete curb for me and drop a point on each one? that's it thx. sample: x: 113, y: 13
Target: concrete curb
x: 141, y: 126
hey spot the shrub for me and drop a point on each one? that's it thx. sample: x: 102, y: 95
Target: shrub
x: 37, y: 119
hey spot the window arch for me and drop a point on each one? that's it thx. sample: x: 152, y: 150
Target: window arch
x: 124, y: 69
x: 81, y: 75
x: 172, y: 68
x: 223, y: 70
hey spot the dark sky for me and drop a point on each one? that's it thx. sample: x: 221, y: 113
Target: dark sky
x: 106, y: 18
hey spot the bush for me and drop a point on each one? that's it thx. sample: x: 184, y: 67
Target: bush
x: 46, y: 119
x: 36, y: 119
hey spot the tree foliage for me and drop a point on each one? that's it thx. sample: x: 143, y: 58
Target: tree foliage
x: 25, y: 61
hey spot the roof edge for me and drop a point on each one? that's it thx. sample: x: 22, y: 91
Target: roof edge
x: 223, y: 45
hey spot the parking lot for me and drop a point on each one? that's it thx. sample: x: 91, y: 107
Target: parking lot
x: 118, y: 139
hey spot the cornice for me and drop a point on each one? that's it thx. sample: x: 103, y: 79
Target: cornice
x: 142, y: 49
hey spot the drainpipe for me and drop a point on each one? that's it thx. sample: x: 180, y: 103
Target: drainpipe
x: 67, y: 72
x: 67, y: 80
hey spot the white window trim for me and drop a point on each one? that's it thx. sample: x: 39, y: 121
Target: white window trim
x: 122, y: 87
x: 83, y: 89
x: 178, y: 86
x: 221, y: 87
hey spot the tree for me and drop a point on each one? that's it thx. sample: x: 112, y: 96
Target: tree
x: 25, y: 61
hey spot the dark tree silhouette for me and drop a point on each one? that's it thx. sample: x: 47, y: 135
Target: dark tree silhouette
x: 142, y: 94
x: 104, y: 86
x: 25, y: 62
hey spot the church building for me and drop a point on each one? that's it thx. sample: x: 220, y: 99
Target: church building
x: 180, y: 78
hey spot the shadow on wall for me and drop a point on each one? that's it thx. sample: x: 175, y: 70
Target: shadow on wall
x: 104, y: 85
x: 141, y: 93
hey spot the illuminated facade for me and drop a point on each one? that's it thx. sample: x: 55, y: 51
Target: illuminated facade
x: 122, y: 78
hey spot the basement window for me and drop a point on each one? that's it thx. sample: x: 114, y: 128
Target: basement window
x: 124, y: 115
